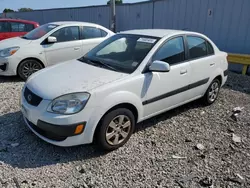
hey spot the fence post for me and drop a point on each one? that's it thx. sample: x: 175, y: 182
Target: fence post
x: 113, y: 15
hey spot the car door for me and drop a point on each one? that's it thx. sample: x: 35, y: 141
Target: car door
x: 92, y: 36
x: 4, y: 30
x: 166, y: 90
x: 203, y: 63
x: 67, y: 47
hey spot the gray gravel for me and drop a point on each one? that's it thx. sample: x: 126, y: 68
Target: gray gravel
x: 162, y: 153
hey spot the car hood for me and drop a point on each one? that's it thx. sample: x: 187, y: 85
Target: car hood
x: 11, y: 42
x: 69, y: 77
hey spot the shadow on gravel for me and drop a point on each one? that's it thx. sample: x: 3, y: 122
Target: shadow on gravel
x: 19, y: 147
x: 32, y: 152
x: 8, y: 79
x: 167, y: 115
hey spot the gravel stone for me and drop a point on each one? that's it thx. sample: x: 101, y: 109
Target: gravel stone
x: 200, y: 147
x: 146, y: 160
x: 236, y: 138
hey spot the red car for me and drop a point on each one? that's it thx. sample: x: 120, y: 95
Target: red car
x: 15, y: 27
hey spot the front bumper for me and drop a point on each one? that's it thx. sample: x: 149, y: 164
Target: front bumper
x: 8, y: 66
x: 55, y: 132
x: 59, y: 129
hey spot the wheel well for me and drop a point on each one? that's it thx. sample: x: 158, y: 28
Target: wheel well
x: 30, y: 58
x: 219, y: 78
x: 128, y: 106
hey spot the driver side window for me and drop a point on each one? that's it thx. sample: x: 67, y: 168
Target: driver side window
x: 67, y: 34
x: 171, y: 52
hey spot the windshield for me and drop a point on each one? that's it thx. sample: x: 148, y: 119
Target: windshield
x: 39, y: 32
x: 122, y: 52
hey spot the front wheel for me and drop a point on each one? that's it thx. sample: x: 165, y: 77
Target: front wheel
x: 115, y: 129
x: 212, y: 92
x: 28, y: 67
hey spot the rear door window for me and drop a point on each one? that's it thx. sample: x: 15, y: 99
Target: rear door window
x: 92, y: 32
x: 197, y: 47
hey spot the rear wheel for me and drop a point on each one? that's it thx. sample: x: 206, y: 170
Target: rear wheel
x: 28, y: 67
x: 115, y: 129
x: 212, y: 92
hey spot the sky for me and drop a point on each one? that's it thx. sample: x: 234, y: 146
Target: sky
x: 47, y: 4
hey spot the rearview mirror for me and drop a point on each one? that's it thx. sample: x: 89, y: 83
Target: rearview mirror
x: 52, y: 39
x: 159, y: 66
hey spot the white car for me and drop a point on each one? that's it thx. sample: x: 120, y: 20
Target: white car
x: 47, y: 45
x: 130, y: 77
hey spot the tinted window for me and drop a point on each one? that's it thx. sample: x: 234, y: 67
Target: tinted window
x: 67, y: 34
x: 92, y: 32
x: 104, y: 33
x: 197, y: 47
x: 210, y: 49
x: 171, y: 52
x: 4, y: 27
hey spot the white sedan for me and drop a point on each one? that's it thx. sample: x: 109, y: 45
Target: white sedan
x: 47, y: 45
x: 130, y: 77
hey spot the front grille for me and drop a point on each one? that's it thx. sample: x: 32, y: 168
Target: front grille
x: 46, y: 134
x: 31, y: 97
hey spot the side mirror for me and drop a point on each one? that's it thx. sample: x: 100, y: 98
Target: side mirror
x: 52, y: 39
x: 159, y: 66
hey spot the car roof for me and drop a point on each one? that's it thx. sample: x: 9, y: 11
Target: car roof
x: 157, y: 32
x: 18, y: 20
x: 73, y: 23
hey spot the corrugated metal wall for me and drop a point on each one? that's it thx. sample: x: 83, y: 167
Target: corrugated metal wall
x: 226, y: 22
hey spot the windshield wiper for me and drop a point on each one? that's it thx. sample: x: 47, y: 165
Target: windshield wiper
x: 98, y: 62
x: 23, y: 37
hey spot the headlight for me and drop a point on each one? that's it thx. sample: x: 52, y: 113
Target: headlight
x: 69, y: 104
x: 8, y: 51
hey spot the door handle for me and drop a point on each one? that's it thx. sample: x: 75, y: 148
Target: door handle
x: 212, y: 64
x: 183, y: 72
x: 76, y: 48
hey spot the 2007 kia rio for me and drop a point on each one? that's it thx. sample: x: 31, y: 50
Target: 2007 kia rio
x: 130, y: 77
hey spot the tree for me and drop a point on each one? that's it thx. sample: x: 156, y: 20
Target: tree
x: 8, y: 10
x: 117, y: 2
x: 25, y: 10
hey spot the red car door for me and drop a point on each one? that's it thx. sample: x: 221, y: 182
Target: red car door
x: 4, y: 30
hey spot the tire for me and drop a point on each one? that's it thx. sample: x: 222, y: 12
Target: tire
x: 28, y: 67
x: 112, y: 128
x: 212, y: 92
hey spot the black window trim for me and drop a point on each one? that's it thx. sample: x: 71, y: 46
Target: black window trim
x: 63, y: 28
x: 187, y: 48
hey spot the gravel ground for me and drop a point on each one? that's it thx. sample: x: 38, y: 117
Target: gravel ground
x: 191, y: 146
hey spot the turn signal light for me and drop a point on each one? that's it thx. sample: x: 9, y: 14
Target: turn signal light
x: 79, y: 129
x: 12, y: 52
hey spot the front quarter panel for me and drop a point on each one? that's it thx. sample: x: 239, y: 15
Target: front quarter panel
x: 129, y: 90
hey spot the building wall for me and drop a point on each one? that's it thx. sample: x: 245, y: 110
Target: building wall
x: 226, y: 22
